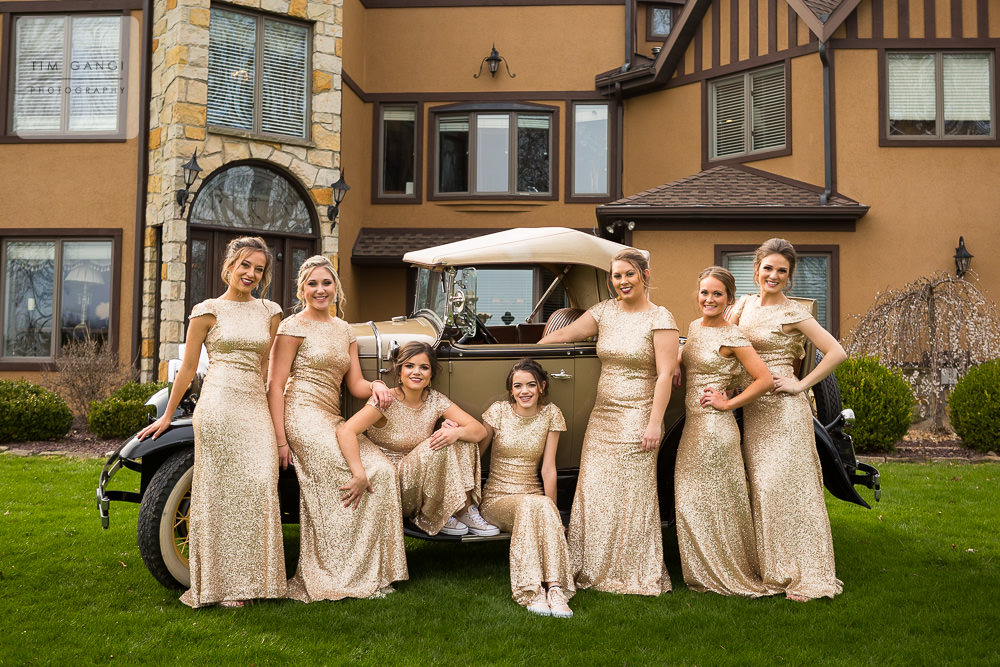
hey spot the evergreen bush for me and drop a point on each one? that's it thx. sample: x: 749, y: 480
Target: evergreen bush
x: 30, y: 412
x: 881, y: 400
x: 124, y: 412
x: 975, y: 407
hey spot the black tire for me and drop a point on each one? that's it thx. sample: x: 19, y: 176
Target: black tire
x: 163, y: 521
x: 827, y: 395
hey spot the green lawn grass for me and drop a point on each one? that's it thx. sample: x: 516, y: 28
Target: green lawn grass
x: 921, y: 586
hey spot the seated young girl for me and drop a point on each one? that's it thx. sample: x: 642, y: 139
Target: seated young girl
x: 525, y: 434
x: 439, y: 470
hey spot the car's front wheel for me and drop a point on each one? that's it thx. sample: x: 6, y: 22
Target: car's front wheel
x: 163, y: 521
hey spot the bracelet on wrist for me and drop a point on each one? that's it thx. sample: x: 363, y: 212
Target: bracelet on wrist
x: 282, y: 445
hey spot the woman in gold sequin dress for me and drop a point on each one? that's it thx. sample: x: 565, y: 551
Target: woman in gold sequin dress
x: 524, y: 437
x: 236, y: 550
x: 786, y: 483
x: 715, y: 534
x: 439, y: 470
x: 615, y: 539
x: 350, y: 525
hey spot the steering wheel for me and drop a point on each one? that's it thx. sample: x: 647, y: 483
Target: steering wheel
x: 481, y: 331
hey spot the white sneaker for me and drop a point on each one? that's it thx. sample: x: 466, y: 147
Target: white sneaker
x: 477, y: 524
x: 454, y: 527
x: 539, y: 604
x: 559, y: 603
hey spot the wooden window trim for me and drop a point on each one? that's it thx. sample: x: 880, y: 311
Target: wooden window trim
x: 813, y: 249
x: 570, y: 197
x: 747, y: 156
x: 673, y: 7
x: 885, y: 140
x: 57, y: 235
x: 500, y: 107
x: 258, y: 92
x: 8, y: 54
x: 418, y: 155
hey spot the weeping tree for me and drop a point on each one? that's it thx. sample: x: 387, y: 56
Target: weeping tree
x: 933, y: 329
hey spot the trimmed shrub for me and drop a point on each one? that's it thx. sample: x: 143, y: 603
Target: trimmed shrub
x: 881, y: 400
x: 124, y: 412
x: 30, y: 412
x: 975, y: 407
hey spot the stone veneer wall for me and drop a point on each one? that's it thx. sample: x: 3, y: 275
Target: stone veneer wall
x: 179, y: 93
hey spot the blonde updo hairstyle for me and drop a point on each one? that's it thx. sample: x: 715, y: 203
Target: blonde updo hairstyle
x: 238, y: 249
x: 638, y: 262
x: 723, y: 276
x: 775, y: 247
x: 308, y: 266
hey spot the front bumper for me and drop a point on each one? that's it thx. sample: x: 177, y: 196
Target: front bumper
x: 114, y: 463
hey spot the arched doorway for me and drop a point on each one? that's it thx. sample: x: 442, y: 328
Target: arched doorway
x: 249, y: 198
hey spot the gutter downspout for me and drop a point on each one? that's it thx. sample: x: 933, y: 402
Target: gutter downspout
x: 629, y: 29
x: 142, y: 183
x: 824, y: 58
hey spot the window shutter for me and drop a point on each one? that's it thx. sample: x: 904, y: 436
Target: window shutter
x: 767, y: 98
x: 231, y: 69
x: 95, y: 75
x: 729, y: 107
x: 967, y: 86
x: 285, y: 85
x: 911, y: 86
x: 38, y: 71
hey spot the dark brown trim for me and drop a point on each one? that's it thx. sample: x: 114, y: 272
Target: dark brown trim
x: 754, y: 63
x: 917, y: 44
x: 734, y: 31
x: 353, y: 85
x: 878, y: 13
x: 904, y: 19
x: 6, y: 56
x: 478, y: 96
x: 813, y: 249
x: 793, y: 27
x: 982, y: 18
x: 431, y: 163
x: 851, y: 25
x: 885, y: 140
x: 956, y: 19
x: 772, y: 26
x: 569, y: 197
x: 408, y: 4
x: 418, y: 156
x: 833, y: 119
x: 672, y: 8
x: 735, y: 219
x: 930, y: 19
x: 753, y: 29
x: 142, y: 184
x: 69, y: 6
x: 74, y: 232
x: 699, y: 48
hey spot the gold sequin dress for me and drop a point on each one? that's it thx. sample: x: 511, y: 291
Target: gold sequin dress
x: 792, y: 527
x: 715, y: 533
x: 344, y: 552
x: 514, y: 500
x: 236, y: 550
x: 615, y: 538
x: 434, y: 484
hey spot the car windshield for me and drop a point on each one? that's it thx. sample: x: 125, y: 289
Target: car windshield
x: 431, y: 293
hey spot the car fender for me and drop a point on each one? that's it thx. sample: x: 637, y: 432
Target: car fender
x: 180, y: 434
x: 835, y: 477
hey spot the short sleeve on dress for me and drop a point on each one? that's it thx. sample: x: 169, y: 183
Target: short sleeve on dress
x: 492, y: 414
x: 597, y: 310
x: 794, y: 312
x: 272, y: 308
x: 438, y: 401
x: 290, y: 326
x: 351, y: 338
x: 733, y: 337
x: 737, y: 309
x: 663, y: 319
x: 203, y: 308
x: 556, y: 420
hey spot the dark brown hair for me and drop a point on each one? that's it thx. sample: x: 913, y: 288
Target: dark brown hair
x: 775, y: 247
x: 724, y: 277
x: 238, y: 249
x: 536, y: 370
x: 407, y: 352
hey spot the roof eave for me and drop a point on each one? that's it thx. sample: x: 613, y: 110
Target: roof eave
x: 607, y: 212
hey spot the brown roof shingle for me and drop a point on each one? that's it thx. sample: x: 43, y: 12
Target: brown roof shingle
x: 387, y: 245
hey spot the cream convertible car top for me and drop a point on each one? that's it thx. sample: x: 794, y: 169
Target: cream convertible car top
x: 543, y: 245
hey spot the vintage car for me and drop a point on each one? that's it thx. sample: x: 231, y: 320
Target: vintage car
x: 483, y: 303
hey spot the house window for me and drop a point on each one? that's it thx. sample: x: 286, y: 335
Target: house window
x: 69, y: 76
x: 943, y: 95
x: 590, y: 150
x: 659, y: 22
x: 398, y: 152
x: 748, y: 113
x: 258, y: 74
x: 813, y: 279
x: 54, y: 291
x: 494, y: 153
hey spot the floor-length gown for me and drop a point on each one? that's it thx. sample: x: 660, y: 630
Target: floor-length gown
x: 344, y: 551
x: 615, y: 538
x: 433, y: 484
x: 792, y: 527
x: 514, y: 500
x: 715, y: 533
x: 236, y: 550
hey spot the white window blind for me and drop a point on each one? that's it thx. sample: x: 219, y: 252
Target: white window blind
x: 940, y: 95
x: 729, y: 107
x: 748, y: 112
x: 911, y: 86
x: 232, y: 71
x: 966, y: 86
x: 767, y: 98
x: 284, y: 92
x: 811, y: 279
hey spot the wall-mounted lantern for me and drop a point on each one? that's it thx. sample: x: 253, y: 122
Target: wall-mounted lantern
x: 492, y: 62
x: 337, y: 192
x: 962, y: 258
x: 191, y: 171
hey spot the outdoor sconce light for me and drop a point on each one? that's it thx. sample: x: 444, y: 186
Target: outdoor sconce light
x: 493, y: 61
x: 337, y: 192
x: 620, y: 225
x: 962, y: 258
x: 191, y: 171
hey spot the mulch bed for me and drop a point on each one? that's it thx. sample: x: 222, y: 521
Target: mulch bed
x: 83, y: 444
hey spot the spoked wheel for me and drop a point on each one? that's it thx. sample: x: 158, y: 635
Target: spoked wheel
x: 163, y: 521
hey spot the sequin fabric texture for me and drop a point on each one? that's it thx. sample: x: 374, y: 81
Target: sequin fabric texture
x: 433, y: 484
x: 715, y: 535
x: 513, y: 499
x: 236, y: 550
x: 615, y: 538
x: 792, y: 527
x: 343, y: 552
